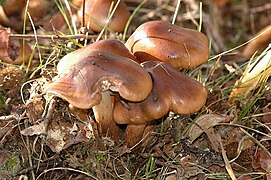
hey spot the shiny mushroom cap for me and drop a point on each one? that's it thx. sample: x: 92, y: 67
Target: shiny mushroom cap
x: 162, y: 41
x: 258, y: 44
x: 172, y: 91
x: 97, y: 13
x: 111, y: 46
x: 98, y: 72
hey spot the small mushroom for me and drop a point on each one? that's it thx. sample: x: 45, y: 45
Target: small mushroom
x: 162, y: 41
x: 13, y: 7
x: 112, y: 46
x: 10, y: 13
x: 172, y: 91
x: 97, y: 13
x: 90, y: 81
x: 37, y: 10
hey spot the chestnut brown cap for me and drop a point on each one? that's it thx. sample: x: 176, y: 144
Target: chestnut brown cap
x: 111, y: 46
x: 13, y: 7
x: 97, y: 13
x: 97, y: 72
x: 258, y: 44
x: 162, y: 41
x: 172, y: 91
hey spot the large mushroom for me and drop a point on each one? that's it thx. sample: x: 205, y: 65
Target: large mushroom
x: 172, y: 91
x: 97, y: 13
x: 89, y: 82
x: 162, y: 41
x: 111, y: 46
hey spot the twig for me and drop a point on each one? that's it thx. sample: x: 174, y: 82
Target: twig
x: 260, y: 8
x: 52, y: 37
x: 83, y: 13
x: 227, y: 163
x: 66, y: 169
x: 176, y: 11
x: 6, y: 118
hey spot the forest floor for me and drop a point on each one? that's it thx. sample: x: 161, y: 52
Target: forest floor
x: 229, y: 138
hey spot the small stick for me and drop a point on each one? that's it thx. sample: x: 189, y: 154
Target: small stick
x: 83, y: 13
x: 53, y: 37
x: 6, y: 118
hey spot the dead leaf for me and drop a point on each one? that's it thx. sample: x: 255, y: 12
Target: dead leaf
x: 34, y: 109
x: 262, y: 161
x: 35, y: 129
x: 6, y: 129
x: 266, y: 115
x: 189, y: 170
x: 245, y: 177
x: 205, y: 124
x: 61, y: 135
x: 13, y: 51
x: 236, y: 143
x: 227, y: 162
x: 171, y: 177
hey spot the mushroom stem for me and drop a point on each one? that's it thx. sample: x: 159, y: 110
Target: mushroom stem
x: 104, y: 118
x: 136, y: 134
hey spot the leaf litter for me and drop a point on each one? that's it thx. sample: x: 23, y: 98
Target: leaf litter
x: 188, y: 147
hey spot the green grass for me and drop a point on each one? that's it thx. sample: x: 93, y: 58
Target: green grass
x: 212, y: 75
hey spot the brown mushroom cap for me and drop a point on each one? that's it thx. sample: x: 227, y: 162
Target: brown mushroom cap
x: 37, y: 9
x: 172, y: 91
x: 111, y: 46
x: 13, y: 7
x: 82, y: 85
x: 258, y: 44
x: 162, y: 41
x: 97, y: 13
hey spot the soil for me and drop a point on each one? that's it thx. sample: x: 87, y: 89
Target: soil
x: 41, y: 138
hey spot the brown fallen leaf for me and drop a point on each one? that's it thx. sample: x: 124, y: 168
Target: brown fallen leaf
x: 189, y: 170
x: 262, y: 162
x: 6, y: 129
x: 13, y: 51
x: 34, y: 109
x: 205, y: 124
x: 59, y: 135
x: 35, y: 129
x: 266, y: 115
x: 62, y: 135
x: 236, y: 143
x: 227, y: 162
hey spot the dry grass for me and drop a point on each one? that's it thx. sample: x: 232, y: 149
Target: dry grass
x: 236, y: 141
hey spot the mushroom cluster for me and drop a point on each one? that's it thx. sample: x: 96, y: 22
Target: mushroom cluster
x: 136, y: 83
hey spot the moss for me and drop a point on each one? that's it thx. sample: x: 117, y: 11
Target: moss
x: 11, y: 167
